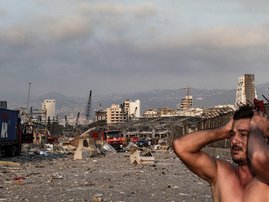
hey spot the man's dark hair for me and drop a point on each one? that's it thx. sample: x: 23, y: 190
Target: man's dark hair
x: 245, y: 111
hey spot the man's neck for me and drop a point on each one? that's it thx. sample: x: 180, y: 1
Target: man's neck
x: 244, y: 174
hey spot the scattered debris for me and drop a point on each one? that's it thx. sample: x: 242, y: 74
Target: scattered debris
x: 137, y: 157
x: 160, y: 147
x: 57, y: 176
x: 9, y: 163
x: 108, y: 148
x: 109, y: 177
x: 86, y: 148
x: 131, y: 146
x: 97, y: 198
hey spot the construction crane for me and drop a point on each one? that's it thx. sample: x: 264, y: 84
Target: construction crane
x: 265, y: 98
x: 77, y: 119
x: 29, y: 88
x: 88, y: 108
x: 188, y: 91
x: 66, y: 121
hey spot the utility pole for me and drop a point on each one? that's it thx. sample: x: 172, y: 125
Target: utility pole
x: 28, y: 95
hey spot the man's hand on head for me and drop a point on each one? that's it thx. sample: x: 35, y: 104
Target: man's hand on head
x: 260, y: 121
x: 228, y: 127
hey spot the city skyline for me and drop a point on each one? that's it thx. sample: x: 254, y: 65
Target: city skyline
x: 72, y: 47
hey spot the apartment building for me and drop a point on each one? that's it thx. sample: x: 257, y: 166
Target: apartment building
x: 167, y: 111
x: 124, y: 112
x: 150, y: 113
x: 116, y: 114
x: 245, y: 91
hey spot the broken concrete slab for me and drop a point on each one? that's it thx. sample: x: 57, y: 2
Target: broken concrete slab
x: 160, y: 147
x: 86, y: 149
x: 131, y: 146
x: 137, y: 157
x: 9, y: 163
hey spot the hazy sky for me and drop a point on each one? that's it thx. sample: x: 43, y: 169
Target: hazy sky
x: 74, y: 46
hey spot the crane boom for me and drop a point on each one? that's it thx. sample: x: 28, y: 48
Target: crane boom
x: 88, y: 108
x: 76, y: 123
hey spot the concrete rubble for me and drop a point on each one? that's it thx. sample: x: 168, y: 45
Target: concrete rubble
x: 86, y: 148
x: 141, y: 157
x: 82, y: 169
x: 111, y: 177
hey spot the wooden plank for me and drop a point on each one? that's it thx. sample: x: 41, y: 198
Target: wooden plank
x: 9, y: 163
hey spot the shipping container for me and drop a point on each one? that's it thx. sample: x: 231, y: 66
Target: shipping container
x: 10, y: 132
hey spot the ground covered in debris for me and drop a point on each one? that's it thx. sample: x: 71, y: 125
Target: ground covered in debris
x: 109, y: 177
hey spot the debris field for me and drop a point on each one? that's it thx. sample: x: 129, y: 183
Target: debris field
x: 107, y: 177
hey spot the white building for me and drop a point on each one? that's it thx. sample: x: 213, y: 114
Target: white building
x: 246, y: 91
x: 122, y: 113
x: 49, y: 106
x: 132, y: 108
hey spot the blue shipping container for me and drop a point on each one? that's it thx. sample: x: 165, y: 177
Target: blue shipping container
x: 8, y: 125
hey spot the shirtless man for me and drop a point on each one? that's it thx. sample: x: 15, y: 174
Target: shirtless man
x: 248, y: 180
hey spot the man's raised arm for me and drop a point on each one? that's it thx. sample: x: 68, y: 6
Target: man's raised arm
x: 258, y: 148
x: 188, y: 149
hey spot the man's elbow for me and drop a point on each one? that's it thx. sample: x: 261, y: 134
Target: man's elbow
x: 178, y: 147
x: 258, y: 159
x: 259, y: 162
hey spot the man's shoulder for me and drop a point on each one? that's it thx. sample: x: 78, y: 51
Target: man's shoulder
x: 224, y: 165
x: 256, y: 191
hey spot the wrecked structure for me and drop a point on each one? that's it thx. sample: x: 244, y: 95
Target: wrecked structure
x: 159, y: 132
x: 162, y: 130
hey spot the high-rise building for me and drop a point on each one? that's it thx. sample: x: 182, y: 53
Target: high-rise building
x: 245, y: 91
x: 49, y: 106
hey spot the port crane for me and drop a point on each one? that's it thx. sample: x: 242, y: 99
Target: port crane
x: 77, y: 119
x: 88, y: 107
